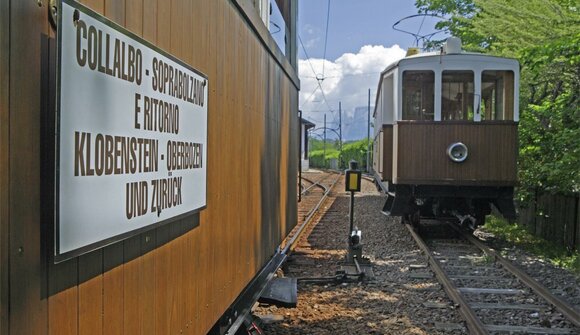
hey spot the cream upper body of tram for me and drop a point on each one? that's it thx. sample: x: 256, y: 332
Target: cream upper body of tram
x: 445, y: 134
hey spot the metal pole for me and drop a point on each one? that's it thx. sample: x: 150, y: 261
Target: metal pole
x: 301, y: 145
x: 340, y: 133
x: 369, y: 131
x: 351, y: 214
x: 324, y: 143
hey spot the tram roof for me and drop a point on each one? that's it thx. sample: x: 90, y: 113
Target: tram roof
x: 438, y: 55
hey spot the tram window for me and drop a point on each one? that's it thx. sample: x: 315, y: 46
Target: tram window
x: 457, y: 95
x: 497, y: 95
x: 418, y: 95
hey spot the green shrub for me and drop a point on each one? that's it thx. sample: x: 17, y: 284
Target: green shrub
x: 519, y: 235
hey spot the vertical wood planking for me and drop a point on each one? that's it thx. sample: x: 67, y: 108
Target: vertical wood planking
x: 96, y: 5
x: 492, y: 157
x: 131, y: 285
x: 177, y: 315
x: 115, y: 11
x: 219, y: 157
x: 147, y: 284
x: 212, y: 24
x: 147, y: 270
x: 235, y: 112
x: 163, y: 25
x: 4, y: 162
x: 150, y: 20
x: 90, y: 297
x: 161, y: 270
x: 187, y: 257
x: 63, y: 298
x: 134, y: 16
x: 130, y: 15
x: 161, y: 254
x: 113, y: 290
x: 28, y: 305
x: 387, y: 153
x: 204, y: 11
x: 63, y: 278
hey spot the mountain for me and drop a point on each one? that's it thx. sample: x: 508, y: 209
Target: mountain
x: 355, y: 127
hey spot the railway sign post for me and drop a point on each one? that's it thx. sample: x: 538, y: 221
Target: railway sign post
x: 352, y: 184
x: 356, y: 264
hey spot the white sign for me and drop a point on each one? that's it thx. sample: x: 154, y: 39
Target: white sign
x: 131, y: 134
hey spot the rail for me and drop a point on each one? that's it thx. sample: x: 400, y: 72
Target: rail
x: 235, y: 317
x: 568, y: 311
x: 472, y: 320
x: 474, y: 324
x: 290, y: 245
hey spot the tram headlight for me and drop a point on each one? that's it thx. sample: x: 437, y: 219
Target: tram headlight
x: 457, y: 152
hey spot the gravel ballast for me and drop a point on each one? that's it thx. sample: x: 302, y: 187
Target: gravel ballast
x: 403, y: 298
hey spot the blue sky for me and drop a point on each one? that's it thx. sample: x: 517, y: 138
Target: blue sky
x: 353, y: 24
x: 360, y: 44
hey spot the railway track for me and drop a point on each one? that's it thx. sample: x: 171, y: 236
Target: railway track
x: 492, y: 295
x: 314, y: 192
x: 315, y: 189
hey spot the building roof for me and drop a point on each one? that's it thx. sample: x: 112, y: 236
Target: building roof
x: 307, y: 124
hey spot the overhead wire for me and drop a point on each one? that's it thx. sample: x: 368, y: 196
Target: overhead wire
x: 306, y: 101
x: 326, y: 36
x: 314, y: 71
x: 419, y: 30
x: 348, y: 75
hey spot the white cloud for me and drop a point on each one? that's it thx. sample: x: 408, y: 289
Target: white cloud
x: 346, y: 79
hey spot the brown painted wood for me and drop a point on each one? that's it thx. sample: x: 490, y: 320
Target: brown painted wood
x: 115, y: 11
x: 113, y: 289
x: 28, y: 305
x: 134, y: 16
x: 387, y: 152
x: 161, y: 281
x: 150, y: 20
x: 96, y: 5
x: 63, y: 298
x: 147, y: 304
x: 420, y: 153
x: 131, y: 284
x: 177, y: 278
x: 246, y: 7
x: 90, y: 297
x: 4, y: 162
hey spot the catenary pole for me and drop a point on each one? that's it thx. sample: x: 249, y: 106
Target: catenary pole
x: 368, y: 130
x: 340, y: 132
x: 324, y: 142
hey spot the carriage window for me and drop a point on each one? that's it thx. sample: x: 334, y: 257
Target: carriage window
x: 418, y: 98
x: 497, y: 95
x: 457, y: 95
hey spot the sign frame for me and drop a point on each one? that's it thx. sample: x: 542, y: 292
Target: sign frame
x: 194, y: 214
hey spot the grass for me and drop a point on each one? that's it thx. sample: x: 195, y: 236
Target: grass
x: 518, y: 235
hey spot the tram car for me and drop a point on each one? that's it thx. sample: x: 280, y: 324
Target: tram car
x: 445, y: 135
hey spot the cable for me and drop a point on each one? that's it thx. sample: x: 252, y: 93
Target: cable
x: 324, y: 97
x: 424, y: 38
x: 310, y: 96
x: 307, y: 57
x: 347, y: 75
x: 420, y: 26
x: 313, y: 71
x: 326, y: 35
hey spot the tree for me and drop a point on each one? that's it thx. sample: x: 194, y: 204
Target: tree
x: 543, y: 35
